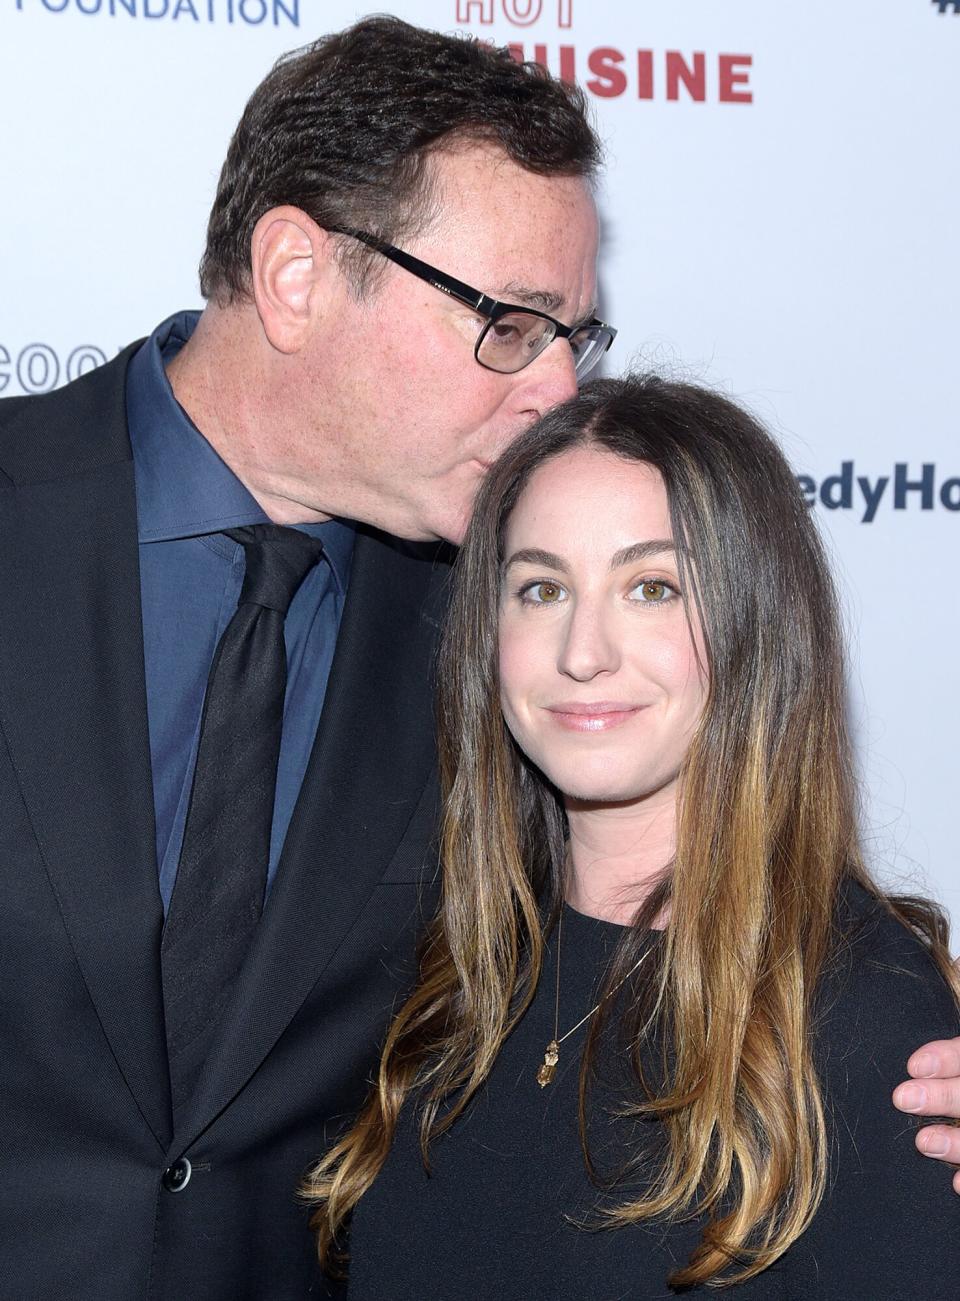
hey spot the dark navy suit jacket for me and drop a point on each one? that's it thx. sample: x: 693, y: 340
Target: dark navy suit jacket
x: 85, y: 1119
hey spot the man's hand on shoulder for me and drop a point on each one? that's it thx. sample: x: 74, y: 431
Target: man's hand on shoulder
x: 934, y: 1090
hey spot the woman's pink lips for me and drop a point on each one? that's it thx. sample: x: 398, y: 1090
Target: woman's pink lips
x: 596, y: 716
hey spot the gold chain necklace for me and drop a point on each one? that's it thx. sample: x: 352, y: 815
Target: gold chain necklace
x: 551, y: 1056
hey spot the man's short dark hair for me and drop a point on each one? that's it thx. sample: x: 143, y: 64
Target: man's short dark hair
x: 343, y: 129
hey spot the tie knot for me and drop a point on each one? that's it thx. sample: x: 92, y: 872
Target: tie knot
x: 278, y: 560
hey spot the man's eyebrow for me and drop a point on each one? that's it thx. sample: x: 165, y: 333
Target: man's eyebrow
x: 534, y: 556
x: 641, y: 551
x: 547, y: 300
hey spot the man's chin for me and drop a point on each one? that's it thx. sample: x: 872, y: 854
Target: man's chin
x: 454, y: 536
x: 451, y: 533
x: 425, y: 525
x: 452, y: 530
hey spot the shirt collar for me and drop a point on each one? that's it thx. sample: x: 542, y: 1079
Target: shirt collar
x: 184, y: 489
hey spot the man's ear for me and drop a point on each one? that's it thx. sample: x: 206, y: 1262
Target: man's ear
x: 291, y: 259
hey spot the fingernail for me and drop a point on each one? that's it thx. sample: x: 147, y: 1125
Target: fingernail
x: 911, y: 1097
x: 924, y: 1064
x: 935, y: 1145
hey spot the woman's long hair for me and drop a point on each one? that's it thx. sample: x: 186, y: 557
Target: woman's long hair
x: 766, y: 832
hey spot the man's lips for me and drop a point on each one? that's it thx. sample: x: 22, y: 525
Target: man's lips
x: 593, y: 715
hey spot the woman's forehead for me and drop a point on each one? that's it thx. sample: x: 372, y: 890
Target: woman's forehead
x: 590, y: 498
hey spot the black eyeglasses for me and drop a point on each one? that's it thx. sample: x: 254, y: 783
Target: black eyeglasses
x: 513, y: 336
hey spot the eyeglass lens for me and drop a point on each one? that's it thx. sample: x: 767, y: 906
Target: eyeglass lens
x: 515, y: 339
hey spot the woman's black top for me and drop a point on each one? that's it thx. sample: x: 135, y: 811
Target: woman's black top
x: 508, y: 1210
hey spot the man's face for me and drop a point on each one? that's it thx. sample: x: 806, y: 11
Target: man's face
x: 395, y: 387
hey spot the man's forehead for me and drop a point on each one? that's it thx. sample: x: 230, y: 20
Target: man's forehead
x: 533, y: 235
x: 480, y: 177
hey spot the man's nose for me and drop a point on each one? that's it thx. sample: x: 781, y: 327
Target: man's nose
x: 589, y: 646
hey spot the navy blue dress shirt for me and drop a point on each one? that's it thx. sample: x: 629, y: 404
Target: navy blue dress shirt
x: 190, y: 580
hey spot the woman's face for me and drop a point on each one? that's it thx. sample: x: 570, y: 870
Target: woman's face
x: 601, y: 685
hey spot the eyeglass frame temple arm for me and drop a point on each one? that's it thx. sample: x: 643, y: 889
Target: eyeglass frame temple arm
x: 448, y: 285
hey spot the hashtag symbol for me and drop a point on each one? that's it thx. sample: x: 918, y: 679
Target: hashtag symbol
x: 944, y: 6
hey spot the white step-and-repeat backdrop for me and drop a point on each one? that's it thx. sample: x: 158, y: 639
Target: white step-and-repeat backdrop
x: 780, y: 220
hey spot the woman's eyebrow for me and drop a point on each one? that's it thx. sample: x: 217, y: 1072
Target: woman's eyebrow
x: 641, y: 551
x: 534, y: 556
x: 625, y: 556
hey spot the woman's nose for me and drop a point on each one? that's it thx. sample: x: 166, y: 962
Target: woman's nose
x: 589, y: 645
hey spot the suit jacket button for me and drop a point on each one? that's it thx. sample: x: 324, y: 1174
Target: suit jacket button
x: 177, y: 1176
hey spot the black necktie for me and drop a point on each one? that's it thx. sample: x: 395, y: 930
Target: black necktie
x: 221, y: 877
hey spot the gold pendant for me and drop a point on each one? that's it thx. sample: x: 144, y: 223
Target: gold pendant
x: 550, y: 1059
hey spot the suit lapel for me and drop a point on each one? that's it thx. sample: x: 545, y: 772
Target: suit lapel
x: 371, y: 761
x: 73, y: 710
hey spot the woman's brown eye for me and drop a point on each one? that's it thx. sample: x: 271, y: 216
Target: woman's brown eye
x: 542, y: 593
x: 655, y: 591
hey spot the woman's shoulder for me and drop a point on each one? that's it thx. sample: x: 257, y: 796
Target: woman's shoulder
x: 887, y: 1224
x: 880, y: 988
x: 869, y: 938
